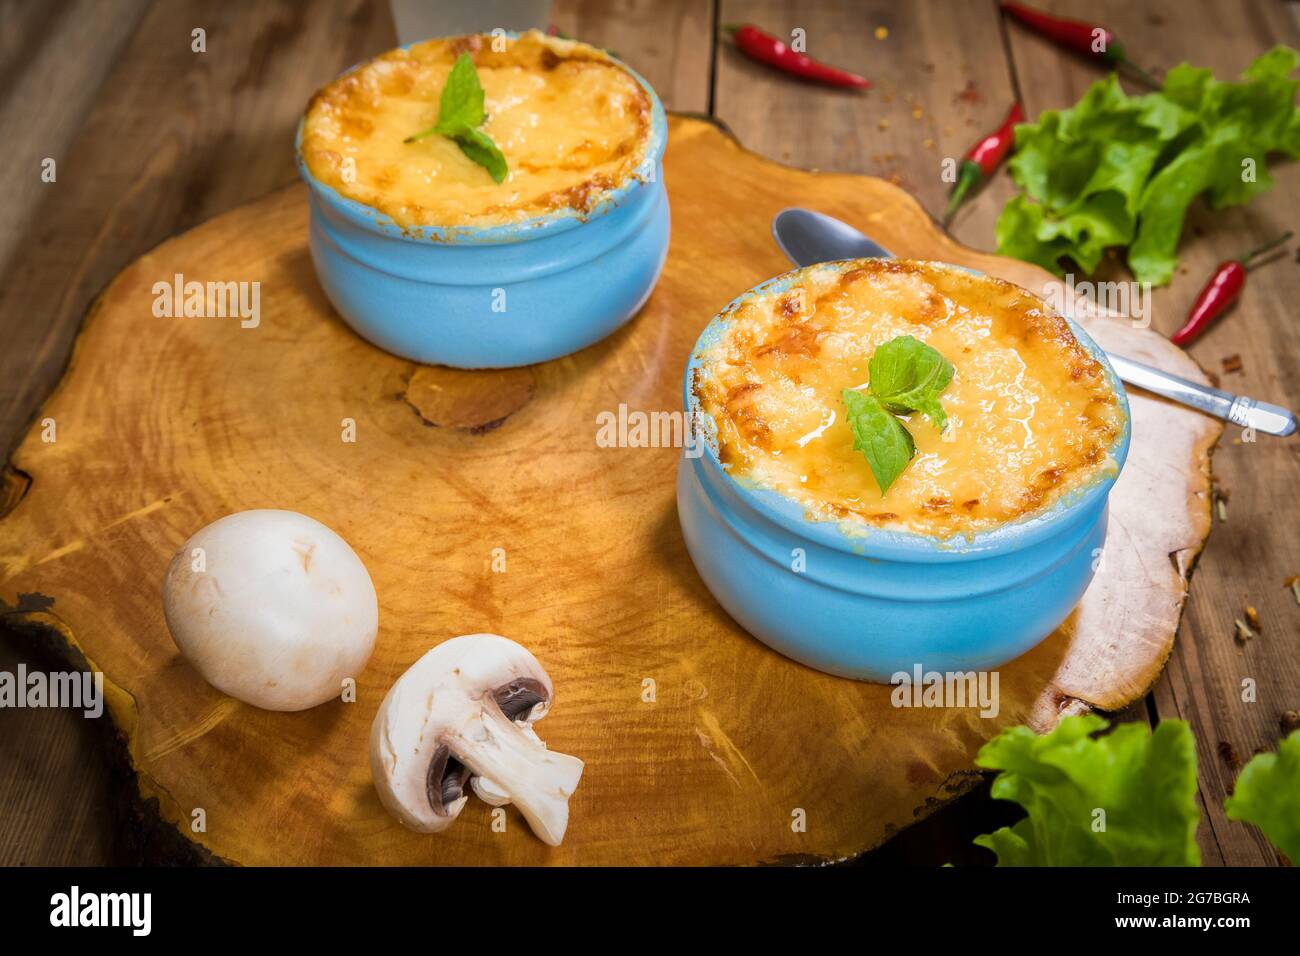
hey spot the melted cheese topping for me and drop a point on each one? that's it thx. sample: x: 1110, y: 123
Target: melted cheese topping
x: 572, y: 123
x: 1031, y: 413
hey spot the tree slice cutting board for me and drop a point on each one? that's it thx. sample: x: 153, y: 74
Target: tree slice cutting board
x: 701, y: 744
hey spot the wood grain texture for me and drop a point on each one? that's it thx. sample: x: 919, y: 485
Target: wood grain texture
x: 1251, y: 554
x: 56, y: 775
x: 941, y: 81
x: 669, y: 43
x: 37, y: 70
x: 53, y: 778
x: 150, y: 138
x: 180, y: 421
x: 215, y: 130
x: 147, y: 129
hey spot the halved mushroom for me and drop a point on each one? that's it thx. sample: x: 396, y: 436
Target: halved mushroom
x: 466, y: 708
x: 493, y: 793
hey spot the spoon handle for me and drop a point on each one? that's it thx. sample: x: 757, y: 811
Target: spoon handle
x: 1238, y: 409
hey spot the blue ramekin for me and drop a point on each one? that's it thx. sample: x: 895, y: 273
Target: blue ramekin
x: 874, y: 604
x: 495, y: 296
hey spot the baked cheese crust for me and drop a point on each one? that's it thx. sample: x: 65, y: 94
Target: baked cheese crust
x: 572, y: 122
x: 1031, y: 412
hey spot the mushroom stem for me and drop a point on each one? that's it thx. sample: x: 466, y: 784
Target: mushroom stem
x: 539, y: 781
x: 491, y: 792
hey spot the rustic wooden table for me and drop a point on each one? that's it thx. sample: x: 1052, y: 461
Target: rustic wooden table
x: 151, y: 138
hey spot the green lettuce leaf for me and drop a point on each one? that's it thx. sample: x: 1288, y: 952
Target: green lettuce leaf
x: 1024, y: 232
x: 1267, y: 794
x: 1152, y: 256
x: 1121, y: 171
x: 1124, y: 799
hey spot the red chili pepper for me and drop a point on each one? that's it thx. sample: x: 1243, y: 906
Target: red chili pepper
x: 765, y: 48
x: 982, y: 160
x: 1220, y: 292
x: 1079, y: 36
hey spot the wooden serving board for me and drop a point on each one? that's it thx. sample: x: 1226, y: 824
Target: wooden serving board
x: 165, y: 424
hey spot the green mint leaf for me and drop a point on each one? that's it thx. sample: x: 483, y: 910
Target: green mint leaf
x: 881, y: 437
x: 931, y: 409
x: 1125, y: 799
x: 461, y: 104
x: 461, y: 113
x: 462, y: 97
x: 1267, y: 794
x: 908, y: 376
x: 478, y: 146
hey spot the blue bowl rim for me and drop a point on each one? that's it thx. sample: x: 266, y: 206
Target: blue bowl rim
x: 893, y: 544
x: 560, y: 220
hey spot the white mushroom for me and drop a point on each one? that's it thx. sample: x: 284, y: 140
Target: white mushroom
x: 491, y: 792
x: 452, y: 714
x: 271, y: 607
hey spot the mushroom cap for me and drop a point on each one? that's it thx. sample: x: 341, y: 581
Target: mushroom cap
x: 280, y: 613
x: 441, y: 694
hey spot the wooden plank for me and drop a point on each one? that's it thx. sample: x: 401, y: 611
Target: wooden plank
x: 170, y: 138
x: 941, y: 82
x: 1248, y: 557
x: 174, y: 138
x: 54, y: 783
x: 669, y: 43
x: 53, y: 778
x: 36, y: 71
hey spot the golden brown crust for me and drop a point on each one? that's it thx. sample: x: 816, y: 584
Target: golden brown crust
x: 572, y: 123
x: 1032, y: 413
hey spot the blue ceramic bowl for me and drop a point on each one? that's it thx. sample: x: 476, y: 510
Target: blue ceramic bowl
x: 496, y: 296
x: 875, y: 604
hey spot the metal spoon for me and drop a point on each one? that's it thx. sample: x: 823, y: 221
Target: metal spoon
x: 808, y: 237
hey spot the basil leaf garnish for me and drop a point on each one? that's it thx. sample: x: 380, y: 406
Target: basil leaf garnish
x: 881, y: 437
x: 908, y: 376
x: 461, y: 113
